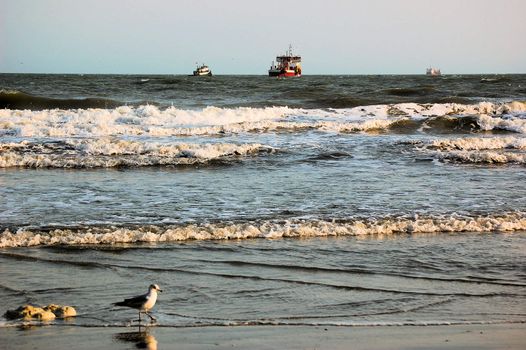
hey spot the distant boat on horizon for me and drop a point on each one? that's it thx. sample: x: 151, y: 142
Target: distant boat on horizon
x: 433, y: 72
x: 202, y: 70
x: 287, y: 65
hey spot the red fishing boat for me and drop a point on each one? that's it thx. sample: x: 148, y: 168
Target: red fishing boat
x: 288, y: 65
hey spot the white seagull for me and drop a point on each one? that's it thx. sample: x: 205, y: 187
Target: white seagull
x: 144, y: 302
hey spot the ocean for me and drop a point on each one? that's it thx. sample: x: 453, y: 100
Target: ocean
x: 320, y: 200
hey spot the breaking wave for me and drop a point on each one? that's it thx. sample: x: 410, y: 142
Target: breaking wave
x: 23, y: 237
x: 479, y: 143
x: 107, y: 153
x: 148, y: 120
x: 476, y: 150
x: 485, y: 157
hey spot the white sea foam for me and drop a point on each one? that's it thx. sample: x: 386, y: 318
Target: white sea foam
x: 443, y: 109
x: 480, y: 143
x: 90, y: 153
x: 477, y: 150
x: 515, y: 124
x: 268, y: 229
x: 483, y: 157
x: 143, y: 120
x: 151, y: 121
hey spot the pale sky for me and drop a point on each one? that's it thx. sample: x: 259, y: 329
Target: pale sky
x: 244, y: 36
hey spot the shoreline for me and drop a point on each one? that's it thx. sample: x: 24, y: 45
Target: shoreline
x: 493, y: 336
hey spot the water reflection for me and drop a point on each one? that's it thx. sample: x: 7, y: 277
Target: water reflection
x: 142, y: 339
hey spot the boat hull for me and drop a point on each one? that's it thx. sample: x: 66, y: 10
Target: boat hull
x: 433, y: 72
x: 202, y: 74
x: 285, y: 74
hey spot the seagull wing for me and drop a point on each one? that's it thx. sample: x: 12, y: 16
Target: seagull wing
x: 135, y: 302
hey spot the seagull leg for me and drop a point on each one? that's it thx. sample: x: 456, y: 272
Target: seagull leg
x: 151, y: 317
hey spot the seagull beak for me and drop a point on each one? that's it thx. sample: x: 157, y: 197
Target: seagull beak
x: 160, y: 290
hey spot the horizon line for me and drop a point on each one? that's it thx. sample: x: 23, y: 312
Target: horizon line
x: 262, y: 74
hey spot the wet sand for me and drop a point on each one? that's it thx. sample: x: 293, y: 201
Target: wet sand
x: 500, y: 336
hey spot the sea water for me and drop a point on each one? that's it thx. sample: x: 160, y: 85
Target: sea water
x: 323, y: 200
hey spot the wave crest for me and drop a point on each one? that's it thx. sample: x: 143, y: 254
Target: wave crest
x: 117, y: 153
x: 486, y: 157
x: 479, y: 143
x: 152, y: 121
x: 24, y: 237
x: 14, y: 99
x: 475, y: 150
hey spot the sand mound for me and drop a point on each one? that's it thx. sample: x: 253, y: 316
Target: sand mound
x: 46, y: 313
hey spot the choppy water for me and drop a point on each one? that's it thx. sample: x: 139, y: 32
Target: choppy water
x: 401, y: 199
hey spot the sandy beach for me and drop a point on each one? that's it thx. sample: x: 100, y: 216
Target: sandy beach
x: 499, y: 336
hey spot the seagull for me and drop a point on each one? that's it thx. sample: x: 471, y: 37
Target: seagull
x: 144, y: 302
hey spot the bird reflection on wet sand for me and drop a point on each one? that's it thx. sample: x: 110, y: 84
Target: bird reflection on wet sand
x: 142, y: 339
